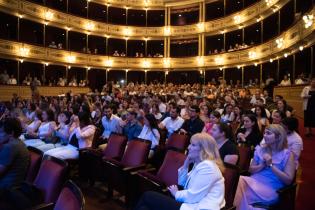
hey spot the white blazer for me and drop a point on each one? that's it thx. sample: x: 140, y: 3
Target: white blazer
x: 203, y: 187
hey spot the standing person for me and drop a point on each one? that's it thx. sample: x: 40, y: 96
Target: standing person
x: 308, y: 95
x: 203, y: 185
x: 14, y: 157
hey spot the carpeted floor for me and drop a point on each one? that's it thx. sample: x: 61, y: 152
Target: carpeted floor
x: 96, y: 199
x: 306, y: 177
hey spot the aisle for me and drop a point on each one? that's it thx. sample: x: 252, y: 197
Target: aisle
x: 306, y: 181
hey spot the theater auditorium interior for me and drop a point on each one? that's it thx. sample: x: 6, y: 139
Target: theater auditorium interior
x: 157, y: 104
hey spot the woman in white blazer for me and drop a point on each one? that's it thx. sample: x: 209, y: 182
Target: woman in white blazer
x: 203, y: 186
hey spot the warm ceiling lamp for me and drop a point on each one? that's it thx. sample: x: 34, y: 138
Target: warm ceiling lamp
x: 127, y: 31
x: 269, y: 2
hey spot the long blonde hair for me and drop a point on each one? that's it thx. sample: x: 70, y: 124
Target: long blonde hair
x: 208, y: 148
x: 280, y: 135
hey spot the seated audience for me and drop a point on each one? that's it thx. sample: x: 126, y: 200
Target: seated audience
x: 203, y: 185
x: 150, y: 132
x: 80, y: 137
x: 194, y: 124
x: 249, y: 134
x: 172, y: 123
x: 271, y: 169
x: 222, y: 134
x: 14, y: 157
x: 133, y: 128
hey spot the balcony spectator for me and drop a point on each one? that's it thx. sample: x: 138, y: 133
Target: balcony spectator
x: 52, y: 45
x: 286, y: 81
x: 59, y: 45
x: 122, y: 54
x: 36, y: 82
x: 301, y: 80
x: 81, y: 83
x: 27, y: 81
x: 116, y: 53
x: 12, y: 80
x: 137, y: 55
x: 4, y: 77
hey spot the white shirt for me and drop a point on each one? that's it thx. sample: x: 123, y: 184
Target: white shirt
x: 151, y: 135
x: 85, y: 135
x: 304, y: 93
x: 162, y: 107
x: 295, y: 144
x: 203, y: 187
x: 172, y: 125
x: 285, y: 83
x: 111, y: 125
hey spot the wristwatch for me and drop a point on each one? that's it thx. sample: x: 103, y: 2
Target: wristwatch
x: 270, y: 165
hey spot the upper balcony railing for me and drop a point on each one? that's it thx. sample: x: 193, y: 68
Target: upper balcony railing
x: 295, y: 38
x: 44, y: 15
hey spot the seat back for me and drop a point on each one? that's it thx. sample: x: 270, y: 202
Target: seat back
x: 96, y: 137
x: 51, y: 177
x: 245, y: 157
x: 168, y: 172
x: 136, y: 153
x: 115, y: 146
x: 36, y: 157
x: 70, y: 198
x: 231, y: 175
x: 178, y: 141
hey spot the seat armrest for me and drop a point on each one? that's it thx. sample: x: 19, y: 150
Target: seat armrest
x: 43, y: 206
x: 149, y: 170
x: 134, y: 168
x: 286, y: 189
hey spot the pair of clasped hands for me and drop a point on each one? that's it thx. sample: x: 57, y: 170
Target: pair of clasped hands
x: 173, y: 188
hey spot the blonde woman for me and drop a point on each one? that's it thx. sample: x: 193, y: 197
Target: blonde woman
x: 272, y: 168
x: 203, y: 186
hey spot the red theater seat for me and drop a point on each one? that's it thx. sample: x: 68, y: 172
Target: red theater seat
x: 117, y: 172
x: 36, y: 157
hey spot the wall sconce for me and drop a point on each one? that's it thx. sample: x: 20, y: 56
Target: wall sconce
x: 70, y: 58
x: 167, y: 31
x: 127, y: 32
x: 49, y: 15
x: 285, y: 55
x: 166, y: 73
x: 255, y: 64
x: 201, y: 26
x: 90, y: 26
x: 237, y: 19
x: 146, y: 64
x: 269, y: 2
x: 166, y: 62
x: 219, y: 60
x: 108, y: 63
x: 24, y: 51
x: 200, y: 61
x: 270, y: 60
x: 308, y: 20
x: 301, y: 48
x: 252, y: 55
x: 280, y: 42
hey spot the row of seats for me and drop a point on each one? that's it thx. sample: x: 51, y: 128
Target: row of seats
x: 45, y: 186
x: 125, y: 169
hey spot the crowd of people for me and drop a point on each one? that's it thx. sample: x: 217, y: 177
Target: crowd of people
x: 215, y: 117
